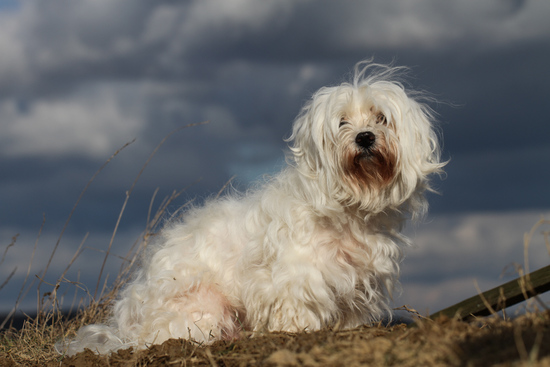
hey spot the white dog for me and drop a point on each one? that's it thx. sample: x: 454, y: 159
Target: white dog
x: 316, y: 246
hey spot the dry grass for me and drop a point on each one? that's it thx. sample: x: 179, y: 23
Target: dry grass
x: 492, y: 341
x: 488, y: 342
x: 34, y: 343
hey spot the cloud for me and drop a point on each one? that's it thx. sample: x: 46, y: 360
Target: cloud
x: 81, y: 272
x: 56, y: 41
x: 92, y: 123
x: 451, y: 252
x: 431, y: 24
x: 13, y: 69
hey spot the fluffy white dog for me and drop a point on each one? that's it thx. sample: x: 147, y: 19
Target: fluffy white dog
x: 316, y: 246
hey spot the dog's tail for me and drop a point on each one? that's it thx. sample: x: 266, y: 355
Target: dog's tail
x: 100, y: 339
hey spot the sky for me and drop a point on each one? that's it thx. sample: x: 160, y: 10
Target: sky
x: 79, y: 80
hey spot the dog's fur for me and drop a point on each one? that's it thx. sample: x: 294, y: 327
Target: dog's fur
x: 316, y: 246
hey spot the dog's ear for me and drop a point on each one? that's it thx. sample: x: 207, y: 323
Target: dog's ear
x: 309, y: 136
x: 419, y: 158
x: 301, y: 144
x: 427, y: 153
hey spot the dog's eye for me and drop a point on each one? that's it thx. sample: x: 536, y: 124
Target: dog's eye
x: 381, y: 119
x: 343, y: 122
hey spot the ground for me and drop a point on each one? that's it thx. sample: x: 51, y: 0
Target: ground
x: 523, y: 341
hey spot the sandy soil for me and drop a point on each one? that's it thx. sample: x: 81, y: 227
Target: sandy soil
x: 487, y: 342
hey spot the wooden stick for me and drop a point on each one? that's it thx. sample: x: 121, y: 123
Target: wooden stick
x: 500, y: 297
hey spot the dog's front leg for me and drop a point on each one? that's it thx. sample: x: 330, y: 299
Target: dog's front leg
x: 289, y: 298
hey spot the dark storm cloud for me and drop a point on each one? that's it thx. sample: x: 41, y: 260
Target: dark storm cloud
x: 64, y: 42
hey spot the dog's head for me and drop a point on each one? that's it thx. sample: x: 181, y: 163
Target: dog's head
x: 368, y: 142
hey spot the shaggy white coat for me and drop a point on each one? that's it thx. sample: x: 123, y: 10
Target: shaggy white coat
x: 316, y: 246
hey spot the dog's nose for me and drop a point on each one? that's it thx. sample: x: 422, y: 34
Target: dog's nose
x: 365, y: 139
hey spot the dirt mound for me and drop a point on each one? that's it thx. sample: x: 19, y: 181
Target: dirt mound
x: 490, y: 342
